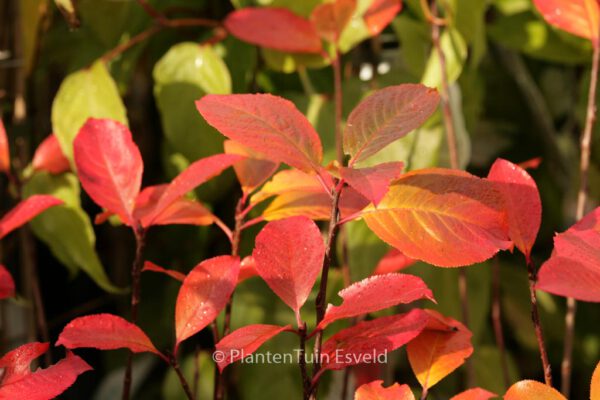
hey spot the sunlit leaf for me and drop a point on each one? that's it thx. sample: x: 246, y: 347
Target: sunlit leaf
x: 372, y: 182
x: 573, y: 269
x: 25, y: 211
x: 436, y: 352
x: 105, y: 332
x: 109, y: 166
x: 579, y: 17
x: 532, y: 390
x: 376, y: 391
x: 380, y: 13
x: 371, y: 339
x: 7, y: 285
x: 289, y: 257
x: 291, y: 180
x: 377, y: 293
x: 385, y: 116
x: 445, y: 217
x: 18, y: 382
x: 595, y: 384
x: 274, y: 28
x: 49, y: 157
x: 268, y: 124
x: 88, y: 93
x: 455, y: 53
x: 244, y: 341
x: 204, y: 293
x: 522, y: 203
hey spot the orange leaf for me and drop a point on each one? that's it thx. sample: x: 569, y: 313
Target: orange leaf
x: 380, y: 14
x: 595, y: 384
x: 376, y: 391
x: 445, y: 217
x: 253, y: 169
x: 4, y: 152
x: 291, y: 180
x: 579, y: 17
x: 435, y: 353
x: 330, y: 19
x: 532, y: 390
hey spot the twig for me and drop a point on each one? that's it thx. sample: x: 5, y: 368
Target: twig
x: 535, y: 317
x: 140, y: 37
x: 497, y: 321
x: 302, y: 362
x: 184, y: 384
x: 424, y: 393
x: 136, y: 270
x: 584, y: 164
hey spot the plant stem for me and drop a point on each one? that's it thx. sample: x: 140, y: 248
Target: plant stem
x: 302, y: 362
x: 535, y: 317
x: 497, y: 321
x: 220, y: 387
x: 321, y: 296
x: 184, y: 384
x: 454, y: 160
x: 136, y: 270
x: 424, y: 393
x: 584, y: 164
x: 140, y: 37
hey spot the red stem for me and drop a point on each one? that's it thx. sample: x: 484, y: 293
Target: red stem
x: 535, y: 317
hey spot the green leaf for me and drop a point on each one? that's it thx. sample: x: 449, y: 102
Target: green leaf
x: 187, y: 72
x: 455, y: 52
x: 289, y: 62
x: 67, y: 229
x: 415, y: 37
x: 88, y: 93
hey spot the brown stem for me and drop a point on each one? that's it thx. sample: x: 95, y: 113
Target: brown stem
x: 302, y: 363
x: 220, y: 386
x: 140, y: 37
x: 584, y: 164
x: 184, y: 384
x: 136, y: 270
x: 321, y: 296
x: 535, y: 317
x: 497, y: 321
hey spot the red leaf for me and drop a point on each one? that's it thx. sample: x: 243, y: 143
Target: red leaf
x: 25, y: 211
x: 386, y: 116
x: 372, y: 182
x: 579, y: 17
x: 330, y: 19
x: 243, y: 342
x: 444, y: 217
x: 18, y: 382
x: 436, y: 352
x: 204, y: 293
x: 274, y: 28
x: 105, y: 332
x: 4, y: 151
x: 377, y: 293
x: 475, y: 394
x: 150, y: 266
x: 393, y: 261
x: 532, y: 390
x: 7, y: 285
x: 49, y: 157
x: 247, y: 269
x: 268, y: 124
x: 573, y: 270
x: 109, y: 166
x: 522, y: 203
x: 353, y: 345
x: 380, y: 14
x: 193, y: 176
x: 376, y: 391
x: 289, y: 257
x: 253, y: 170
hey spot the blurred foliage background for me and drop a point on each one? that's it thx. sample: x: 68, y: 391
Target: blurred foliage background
x: 518, y: 89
